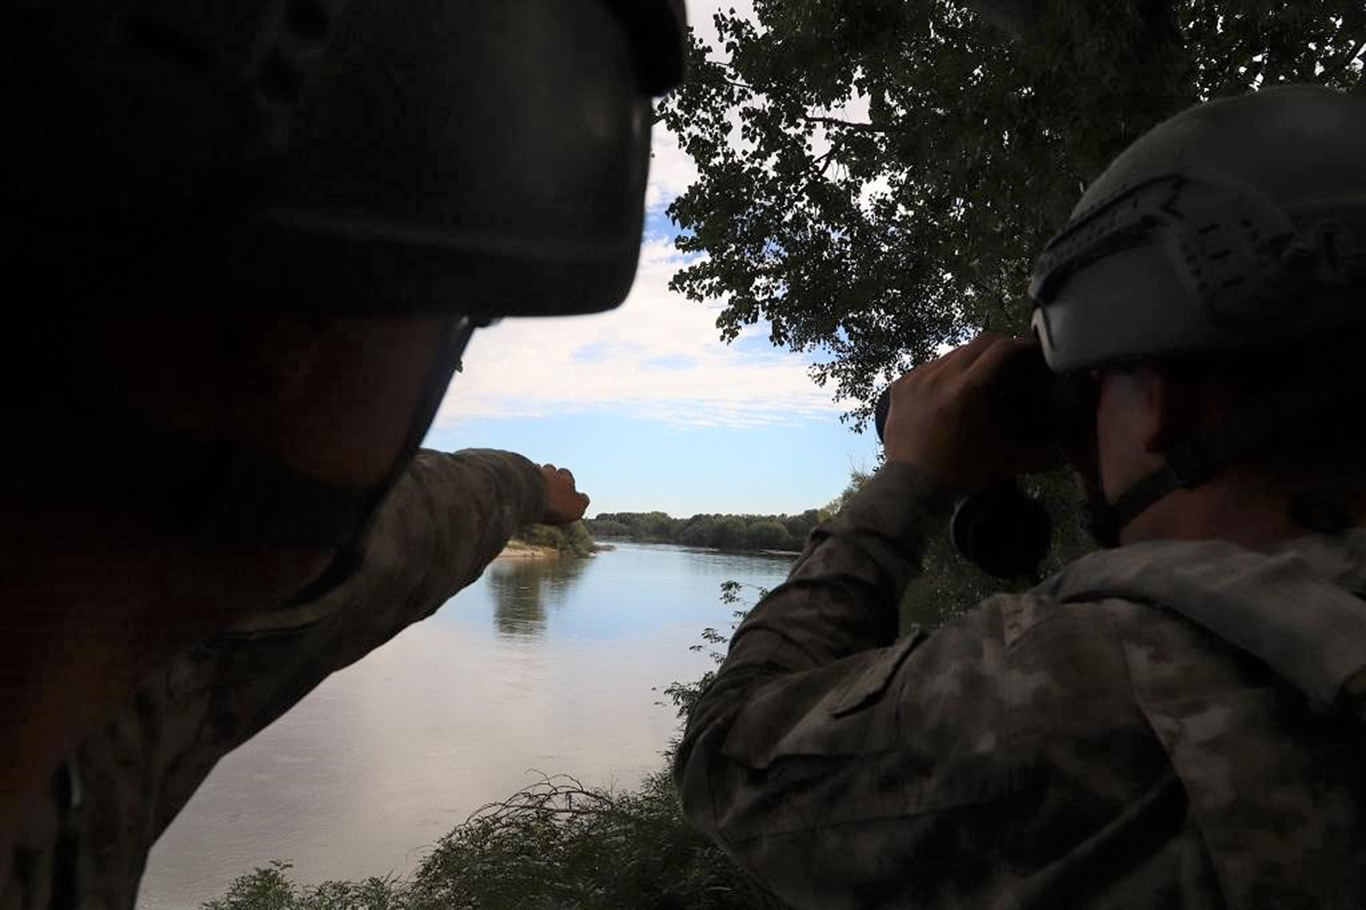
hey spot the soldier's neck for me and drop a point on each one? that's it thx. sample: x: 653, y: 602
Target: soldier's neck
x: 1239, y: 506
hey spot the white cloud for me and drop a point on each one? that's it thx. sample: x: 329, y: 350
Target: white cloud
x: 700, y: 14
x: 657, y: 357
x: 671, y: 169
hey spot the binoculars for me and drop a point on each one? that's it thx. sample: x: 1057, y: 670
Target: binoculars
x: 1000, y: 529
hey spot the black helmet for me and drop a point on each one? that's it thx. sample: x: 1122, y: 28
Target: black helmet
x: 1234, y: 224
x: 370, y: 156
x: 462, y: 159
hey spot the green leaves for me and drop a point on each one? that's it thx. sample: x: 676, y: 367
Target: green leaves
x: 274, y: 889
x: 876, y: 177
x: 553, y: 844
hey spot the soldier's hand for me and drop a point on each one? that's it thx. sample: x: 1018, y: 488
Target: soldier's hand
x: 564, y: 505
x: 943, y: 419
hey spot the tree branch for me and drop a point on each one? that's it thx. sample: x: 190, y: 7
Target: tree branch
x: 847, y: 124
x: 1337, y: 66
x: 1017, y: 17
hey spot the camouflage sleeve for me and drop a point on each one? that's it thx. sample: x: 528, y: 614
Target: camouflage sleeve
x: 819, y: 739
x: 446, y: 519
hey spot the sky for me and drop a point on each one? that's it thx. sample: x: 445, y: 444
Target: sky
x: 645, y: 404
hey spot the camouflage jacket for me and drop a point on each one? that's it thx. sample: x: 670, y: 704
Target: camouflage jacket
x: 1166, y: 725
x: 85, y: 845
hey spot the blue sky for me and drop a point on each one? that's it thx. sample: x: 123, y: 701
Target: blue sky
x: 651, y: 410
x: 645, y: 404
x: 628, y: 464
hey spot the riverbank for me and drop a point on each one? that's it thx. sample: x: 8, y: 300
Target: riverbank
x: 777, y: 534
x: 537, y: 540
x: 520, y: 549
x: 701, y: 548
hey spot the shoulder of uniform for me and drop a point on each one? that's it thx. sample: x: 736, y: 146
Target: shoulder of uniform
x: 1021, y: 613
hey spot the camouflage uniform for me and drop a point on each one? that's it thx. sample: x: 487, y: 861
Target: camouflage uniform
x: 1166, y: 725
x: 86, y: 844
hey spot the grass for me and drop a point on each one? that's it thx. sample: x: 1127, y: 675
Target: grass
x: 554, y: 844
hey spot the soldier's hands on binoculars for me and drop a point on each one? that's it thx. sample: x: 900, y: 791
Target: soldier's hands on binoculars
x: 946, y: 419
x: 564, y: 504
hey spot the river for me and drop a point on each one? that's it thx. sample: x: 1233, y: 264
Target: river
x: 542, y: 665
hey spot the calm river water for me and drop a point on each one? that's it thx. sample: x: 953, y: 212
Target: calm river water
x: 541, y: 664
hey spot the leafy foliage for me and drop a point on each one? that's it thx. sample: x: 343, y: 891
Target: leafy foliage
x: 557, y: 844
x: 683, y: 695
x: 877, y: 176
x: 554, y: 844
x: 723, y: 532
x: 551, y: 845
x: 573, y: 540
x: 950, y: 586
x: 272, y: 888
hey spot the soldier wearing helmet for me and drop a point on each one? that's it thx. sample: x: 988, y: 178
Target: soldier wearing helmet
x: 255, y: 238
x: 1173, y: 720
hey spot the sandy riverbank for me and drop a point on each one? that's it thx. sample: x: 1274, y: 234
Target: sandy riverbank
x: 517, y: 549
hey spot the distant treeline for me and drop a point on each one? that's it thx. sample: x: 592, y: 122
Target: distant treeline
x: 724, y: 532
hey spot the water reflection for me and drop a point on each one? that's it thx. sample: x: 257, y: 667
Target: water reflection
x: 524, y: 589
x: 552, y: 665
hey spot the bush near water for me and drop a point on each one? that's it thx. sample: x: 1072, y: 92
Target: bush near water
x: 573, y: 540
x: 553, y: 845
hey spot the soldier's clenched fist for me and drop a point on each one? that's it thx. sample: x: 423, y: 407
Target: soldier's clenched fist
x: 564, y: 504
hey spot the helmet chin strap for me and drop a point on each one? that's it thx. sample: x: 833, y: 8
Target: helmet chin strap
x: 1191, y: 463
x: 1188, y: 465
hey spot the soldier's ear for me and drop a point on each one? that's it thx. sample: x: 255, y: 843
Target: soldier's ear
x: 1164, y: 408
x: 1182, y: 406
x: 1157, y: 407
x: 1135, y: 409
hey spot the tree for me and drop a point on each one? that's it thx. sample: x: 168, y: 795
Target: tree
x: 729, y: 533
x: 873, y: 238
x: 699, y: 532
x: 766, y: 535
x: 606, y: 527
x: 571, y: 540
x: 798, y: 526
x: 857, y: 479
x: 658, y: 526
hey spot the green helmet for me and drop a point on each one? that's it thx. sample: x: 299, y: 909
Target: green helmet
x: 1233, y: 225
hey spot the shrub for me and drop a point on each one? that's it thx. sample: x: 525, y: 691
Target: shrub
x: 554, y: 844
